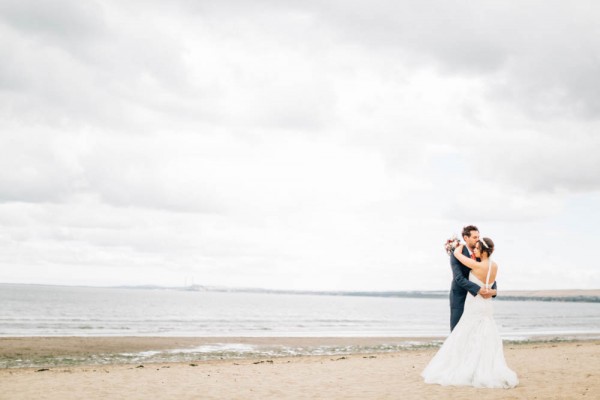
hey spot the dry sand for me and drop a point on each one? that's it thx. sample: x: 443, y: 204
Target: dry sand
x: 550, y: 370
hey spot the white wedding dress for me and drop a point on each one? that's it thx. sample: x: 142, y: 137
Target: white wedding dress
x: 472, y: 355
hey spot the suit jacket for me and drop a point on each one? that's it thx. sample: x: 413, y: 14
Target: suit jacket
x: 460, y: 282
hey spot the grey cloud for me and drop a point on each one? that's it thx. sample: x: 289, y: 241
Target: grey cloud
x: 525, y: 55
x: 124, y: 174
x: 539, y: 57
x: 62, y: 66
x: 130, y: 76
x: 460, y: 36
x: 548, y: 164
x: 35, y: 173
x: 115, y: 171
x: 68, y: 20
x: 554, y: 88
x: 548, y: 160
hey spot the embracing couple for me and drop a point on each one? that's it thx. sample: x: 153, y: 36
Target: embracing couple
x: 472, y: 355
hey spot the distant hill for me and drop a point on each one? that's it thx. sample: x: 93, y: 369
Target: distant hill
x: 592, y: 296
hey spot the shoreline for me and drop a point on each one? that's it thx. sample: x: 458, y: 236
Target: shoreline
x: 550, y: 370
x: 45, y: 351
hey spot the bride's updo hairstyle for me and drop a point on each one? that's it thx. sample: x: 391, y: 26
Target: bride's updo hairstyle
x: 487, y: 245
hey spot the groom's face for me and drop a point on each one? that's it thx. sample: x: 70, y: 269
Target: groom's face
x: 472, y: 240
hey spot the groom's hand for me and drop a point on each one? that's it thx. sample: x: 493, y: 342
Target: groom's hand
x: 485, y: 293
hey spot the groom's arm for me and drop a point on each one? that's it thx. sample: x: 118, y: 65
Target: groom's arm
x: 459, y: 278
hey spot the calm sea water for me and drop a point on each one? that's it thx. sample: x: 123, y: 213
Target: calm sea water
x: 30, y: 310
x: 82, y: 311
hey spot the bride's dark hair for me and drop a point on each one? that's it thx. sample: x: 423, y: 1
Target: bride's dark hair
x: 489, y: 249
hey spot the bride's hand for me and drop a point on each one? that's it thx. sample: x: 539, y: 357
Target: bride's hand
x: 458, y: 249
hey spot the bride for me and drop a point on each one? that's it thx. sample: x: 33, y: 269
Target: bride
x: 472, y: 355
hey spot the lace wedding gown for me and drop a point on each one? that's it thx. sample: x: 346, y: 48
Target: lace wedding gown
x: 472, y: 355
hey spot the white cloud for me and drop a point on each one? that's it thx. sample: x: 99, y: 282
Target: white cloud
x: 313, y: 145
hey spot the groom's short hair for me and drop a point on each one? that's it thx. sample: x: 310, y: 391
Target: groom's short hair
x: 468, y: 229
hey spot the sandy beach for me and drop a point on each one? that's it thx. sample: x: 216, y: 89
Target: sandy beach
x: 547, y: 370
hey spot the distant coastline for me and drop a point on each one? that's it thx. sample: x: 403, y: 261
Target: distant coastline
x: 590, y: 295
x: 573, y: 295
x: 566, y: 295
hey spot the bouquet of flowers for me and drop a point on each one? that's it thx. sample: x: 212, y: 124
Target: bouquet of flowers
x: 451, y: 244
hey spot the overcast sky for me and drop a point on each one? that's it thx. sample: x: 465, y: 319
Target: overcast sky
x: 321, y: 145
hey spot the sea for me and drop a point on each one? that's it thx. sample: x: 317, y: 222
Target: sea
x: 38, y: 310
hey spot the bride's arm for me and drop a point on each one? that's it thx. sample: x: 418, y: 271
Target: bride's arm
x: 466, y: 261
x: 460, y: 279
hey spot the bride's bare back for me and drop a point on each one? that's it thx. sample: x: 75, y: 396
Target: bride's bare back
x: 481, y: 271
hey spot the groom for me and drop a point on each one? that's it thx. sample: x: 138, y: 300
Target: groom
x: 460, y: 282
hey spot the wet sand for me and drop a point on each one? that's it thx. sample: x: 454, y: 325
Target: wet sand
x: 547, y: 370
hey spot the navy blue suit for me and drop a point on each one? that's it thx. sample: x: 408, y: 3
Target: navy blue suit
x: 460, y: 286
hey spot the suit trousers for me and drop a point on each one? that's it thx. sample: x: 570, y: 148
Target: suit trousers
x: 455, y: 314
